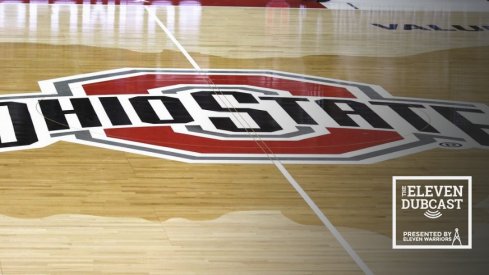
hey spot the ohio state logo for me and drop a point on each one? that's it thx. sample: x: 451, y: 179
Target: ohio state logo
x: 236, y: 116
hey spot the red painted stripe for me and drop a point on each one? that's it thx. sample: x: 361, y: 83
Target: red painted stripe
x: 337, y: 142
x: 228, y: 3
x: 140, y: 84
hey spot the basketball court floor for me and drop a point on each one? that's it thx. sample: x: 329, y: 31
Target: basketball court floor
x: 220, y: 137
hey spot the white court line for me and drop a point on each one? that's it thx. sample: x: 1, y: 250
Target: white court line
x: 173, y: 39
x: 327, y: 223
x: 324, y: 219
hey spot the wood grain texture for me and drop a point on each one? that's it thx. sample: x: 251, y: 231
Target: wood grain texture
x: 73, y: 209
x: 268, y: 33
x: 251, y: 242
